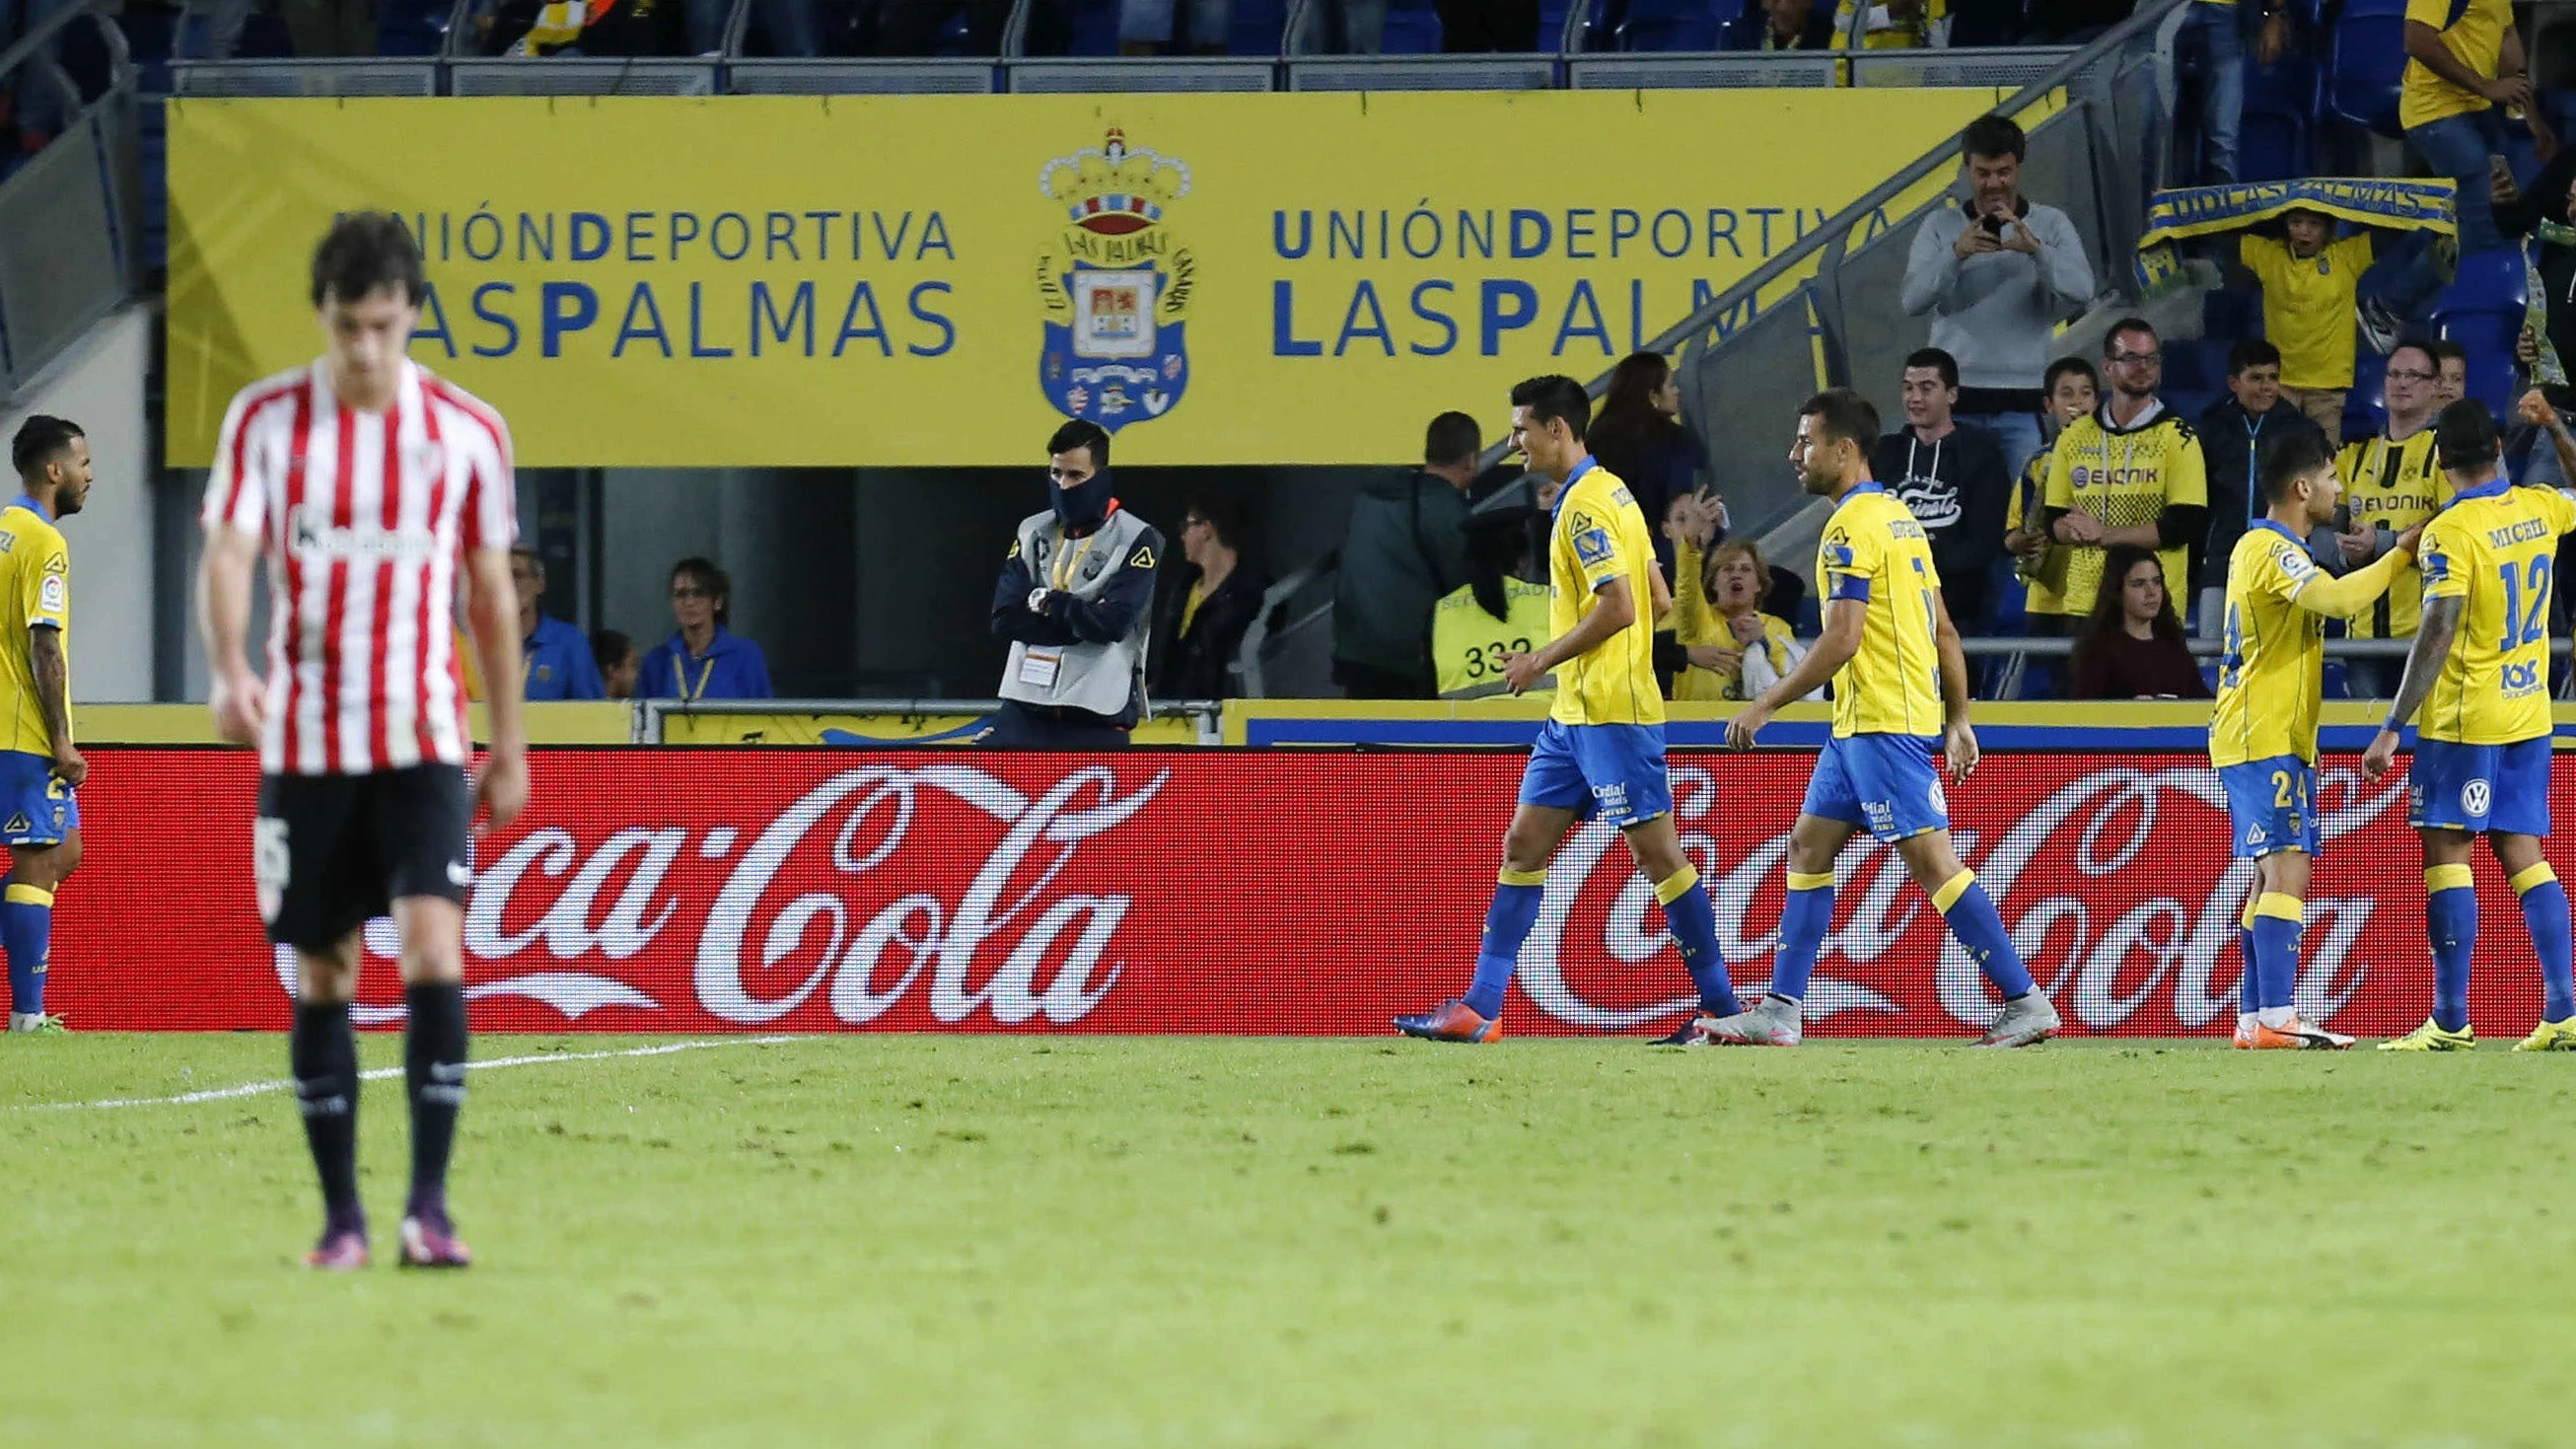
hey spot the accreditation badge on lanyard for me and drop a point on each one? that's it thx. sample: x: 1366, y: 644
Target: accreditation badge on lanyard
x: 1039, y: 667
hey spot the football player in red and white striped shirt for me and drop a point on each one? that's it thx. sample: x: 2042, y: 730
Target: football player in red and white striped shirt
x: 364, y: 481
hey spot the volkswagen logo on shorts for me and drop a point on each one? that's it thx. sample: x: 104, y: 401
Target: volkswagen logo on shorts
x: 2474, y: 797
x: 1940, y: 798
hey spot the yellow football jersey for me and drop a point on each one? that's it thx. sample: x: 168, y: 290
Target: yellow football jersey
x: 2124, y: 477
x: 1875, y: 552
x: 2399, y: 484
x: 1600, y: 535
x: 2495, y: 546
x: 2272, y: 674
x: 36, y: 583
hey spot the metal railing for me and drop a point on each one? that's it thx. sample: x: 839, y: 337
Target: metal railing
x: 1297, y: 65
x: 1820, y: 310
x: 71, y: 216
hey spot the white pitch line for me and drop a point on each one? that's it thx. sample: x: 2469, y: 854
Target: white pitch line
x: 253, y: 1089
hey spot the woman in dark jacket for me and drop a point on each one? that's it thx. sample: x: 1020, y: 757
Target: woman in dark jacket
x: 1199, y: 629
x: 2132, y: 647
x: 1639, y: 437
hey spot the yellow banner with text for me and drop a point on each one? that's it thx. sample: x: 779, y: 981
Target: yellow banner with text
x: 938, y: 280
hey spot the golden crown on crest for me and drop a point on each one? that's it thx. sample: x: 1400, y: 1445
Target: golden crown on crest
x: 1115, y: 188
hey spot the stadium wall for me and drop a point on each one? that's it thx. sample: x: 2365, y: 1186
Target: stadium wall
x: 936, y: 280
x: 1242, y: 891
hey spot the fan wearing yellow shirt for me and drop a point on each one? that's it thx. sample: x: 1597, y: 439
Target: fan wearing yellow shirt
x: 1601, y: 751
x: 2263, y: 732
x: 2479, y: 672
x: 1900, y: 695
x: 2311, y: 283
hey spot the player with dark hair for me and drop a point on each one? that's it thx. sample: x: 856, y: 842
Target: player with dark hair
x: 1601, y: 751
x: 1075, y: 600
x: 2263, y: 732
x: 40, y: 770
x: 1900, y: 693
x: 2479, y: 672
x: 366, y: 480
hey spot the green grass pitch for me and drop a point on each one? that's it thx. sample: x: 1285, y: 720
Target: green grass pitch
x: 1016, y: 1241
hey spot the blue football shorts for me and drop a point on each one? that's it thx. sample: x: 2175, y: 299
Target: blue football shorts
x: 2480, y: 788
x: 1615, y: 771
x: 1889, y: 785
x: 2271, y: 805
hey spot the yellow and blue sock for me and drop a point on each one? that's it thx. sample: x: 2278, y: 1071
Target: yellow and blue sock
x: 27, y: 931
x: 2544, y: 910
x: 2451, y: 924
x: 1693, y: 922
x: 1507, y: 924
x: 1805, y: 917
x: 2278, y: 917
x: 2249, y: 986
x: 1980, y: 928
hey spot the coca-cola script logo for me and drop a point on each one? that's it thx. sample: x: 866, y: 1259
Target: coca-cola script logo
x: 833, y: 896
x: 2103, y: 925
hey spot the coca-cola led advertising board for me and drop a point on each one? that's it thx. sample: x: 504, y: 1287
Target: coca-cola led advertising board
x: 1241, y: 891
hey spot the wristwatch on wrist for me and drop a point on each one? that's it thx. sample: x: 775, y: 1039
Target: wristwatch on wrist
x: 1037, y: 600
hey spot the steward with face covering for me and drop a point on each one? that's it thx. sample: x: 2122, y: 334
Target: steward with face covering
x: 1075, y: 601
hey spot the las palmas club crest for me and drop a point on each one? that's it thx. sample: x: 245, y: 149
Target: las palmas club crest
x: 1115, y: 285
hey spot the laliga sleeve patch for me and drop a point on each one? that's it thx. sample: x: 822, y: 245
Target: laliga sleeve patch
x: 53, y: 596
x: 1592, y: 546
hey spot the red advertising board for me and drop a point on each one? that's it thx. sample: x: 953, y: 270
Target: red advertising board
x: 1262, y: 891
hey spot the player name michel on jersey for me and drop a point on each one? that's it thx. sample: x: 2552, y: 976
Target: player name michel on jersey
x: 363, y: 516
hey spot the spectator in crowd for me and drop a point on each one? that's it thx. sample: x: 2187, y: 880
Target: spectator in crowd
x: 558, y: 660
x: 1075, y: 599
x: 1997, y: 272
x: 1640, y: 438
x: 2132, y: 646
x: 1796, y: 25
x: 318, y: 29
x: 1406, y: 550
x: 704, y: 659
x: 1173, y: 27
x: 613, y: 654
x: 1502, y: 609
x: 2450, y: 372
x: 1953, y: 480
x: 2072, y: 388
x: 2310, y: 299
x: 1895, y: 24
x: 2540, y: 215
x: 2463, y: 59
x: 1213, y: 603
x: 912, y: 27
x: 1735, y: 650
x: 2392, y: 481
x: 1481, y: 25
x: 2233, y: 433
x: 2222, y: 25
x: 2130, y: 472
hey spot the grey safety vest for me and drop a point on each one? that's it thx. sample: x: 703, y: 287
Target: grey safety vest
x: 1097, y: 677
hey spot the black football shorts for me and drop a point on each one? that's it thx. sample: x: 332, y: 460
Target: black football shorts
x: 333, y: 852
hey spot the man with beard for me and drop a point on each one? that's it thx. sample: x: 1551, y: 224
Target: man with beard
x: 2132, y: 473
x: 1900, y: 698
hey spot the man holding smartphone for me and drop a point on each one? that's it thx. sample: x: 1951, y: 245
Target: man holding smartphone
x: 1997, y: 272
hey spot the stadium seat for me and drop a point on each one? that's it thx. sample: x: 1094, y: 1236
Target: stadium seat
x: 411, y: 27
x: 1255, y: 27
x: 2197, y: 366
x: 2366, y: 54
x: 1095, y: 27
x: 2365, y: 408
x: 1677, y: 24
x: 2483, y: 310
x: 2281, y: 104
x: 2232, y: 313
x: 1551, y: 23
x: 1412, y: 28
x: 1744, y: 32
